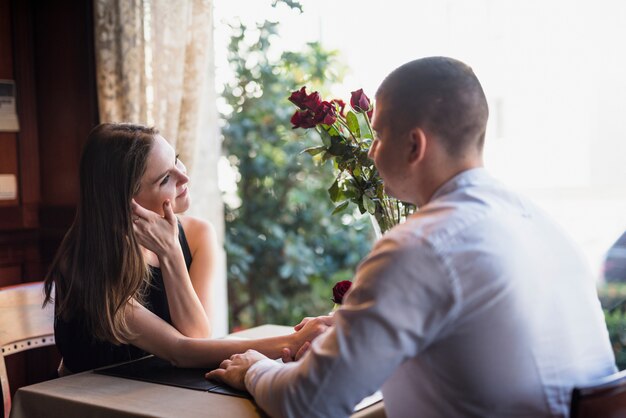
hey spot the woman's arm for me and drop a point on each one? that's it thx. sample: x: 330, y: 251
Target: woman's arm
x: 156, y: 336
x: 160, y: 235
x: 205, y: 255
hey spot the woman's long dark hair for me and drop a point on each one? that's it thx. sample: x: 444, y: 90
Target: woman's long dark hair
x: 99, y: 266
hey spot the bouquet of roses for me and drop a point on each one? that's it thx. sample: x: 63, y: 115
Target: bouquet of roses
x: 346, y: 139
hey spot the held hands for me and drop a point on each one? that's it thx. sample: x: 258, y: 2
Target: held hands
x: 306, y: 331
x: 154, y: 232
x: 233, y: 371
x: 329, y: 320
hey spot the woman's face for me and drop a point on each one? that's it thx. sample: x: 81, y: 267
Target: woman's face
x: 165, y: 179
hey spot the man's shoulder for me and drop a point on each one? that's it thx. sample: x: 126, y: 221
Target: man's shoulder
x: 461, y: 213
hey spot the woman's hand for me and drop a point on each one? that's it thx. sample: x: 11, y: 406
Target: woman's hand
x: 154, y: 232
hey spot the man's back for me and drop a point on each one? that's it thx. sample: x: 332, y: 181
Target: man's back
x: 510, y: 320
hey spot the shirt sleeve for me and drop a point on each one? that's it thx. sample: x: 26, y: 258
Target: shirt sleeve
x: 400, y: 300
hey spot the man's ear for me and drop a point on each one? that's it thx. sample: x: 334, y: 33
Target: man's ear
x: 418, y: 142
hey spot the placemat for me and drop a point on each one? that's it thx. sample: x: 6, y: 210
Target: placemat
x: 155, y: 370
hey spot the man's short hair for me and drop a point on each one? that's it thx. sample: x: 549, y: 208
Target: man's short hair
x: 442, y: 96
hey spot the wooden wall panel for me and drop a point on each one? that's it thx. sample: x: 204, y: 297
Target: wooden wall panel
x: 47, y: 48
x: 8, y: 162
x: 24, y: 69
x: 67, y: 106
x: 10, y: 274
x: 6, y: 51
x: 8, y: 144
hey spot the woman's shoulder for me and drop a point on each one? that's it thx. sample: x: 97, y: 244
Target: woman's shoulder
x: 192, y: 224
x: 197, y: 231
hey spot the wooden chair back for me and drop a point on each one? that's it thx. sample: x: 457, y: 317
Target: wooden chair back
x: 605, y: 398
x: 24, y: 325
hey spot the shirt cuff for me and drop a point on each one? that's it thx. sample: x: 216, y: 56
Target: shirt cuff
x: 256, y: 371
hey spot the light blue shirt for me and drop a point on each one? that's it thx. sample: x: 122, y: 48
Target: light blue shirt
x: 478, y: 305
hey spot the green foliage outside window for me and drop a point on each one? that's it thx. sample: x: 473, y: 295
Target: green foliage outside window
x: 613, y: 299
x: 616, y: 324
x: 285, y: 250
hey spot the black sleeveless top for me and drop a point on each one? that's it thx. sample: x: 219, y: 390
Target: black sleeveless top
x: 82, y: 352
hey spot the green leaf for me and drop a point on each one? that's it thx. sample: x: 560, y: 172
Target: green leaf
x: 314, y: 150
x: 353, y: 124
x: 326, y: 138
x: 364, y: 127
x: 333, y: 191
x: 350, y: 189
x: 341, y: 207
x: 332, y: 131
x: 337, y: 147
x: 369, y: 204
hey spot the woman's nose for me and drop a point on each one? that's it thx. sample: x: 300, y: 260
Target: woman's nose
x: 182, y: 173
x: 181, y: 167
x: 184, y: 178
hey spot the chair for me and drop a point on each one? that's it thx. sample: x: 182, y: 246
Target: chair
x: 23, y: 325
x: 605, y: 398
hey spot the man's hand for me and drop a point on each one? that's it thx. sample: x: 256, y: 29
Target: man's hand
x: 233, y: 371
x: 328, y: 320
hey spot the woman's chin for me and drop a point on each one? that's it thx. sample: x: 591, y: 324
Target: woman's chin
x: 182, y: 204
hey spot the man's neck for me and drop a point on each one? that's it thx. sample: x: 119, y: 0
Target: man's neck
x: 440, y: 175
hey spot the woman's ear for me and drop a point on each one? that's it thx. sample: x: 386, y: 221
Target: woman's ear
x: 418, y: 143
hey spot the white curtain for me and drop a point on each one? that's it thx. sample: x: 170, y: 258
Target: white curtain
x: 155, y: 66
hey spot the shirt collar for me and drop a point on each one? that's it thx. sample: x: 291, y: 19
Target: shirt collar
x: 463, y: 179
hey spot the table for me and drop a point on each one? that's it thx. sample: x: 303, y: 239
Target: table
x: 89, y: 394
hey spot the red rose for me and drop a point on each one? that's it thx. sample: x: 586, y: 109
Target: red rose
x: 312, y: 101
x: 359, y: 101
x: 325, y: 113
x: 298, y: 97
x: 341, y: 105
x: 339, y: 290
x: 303, y: 119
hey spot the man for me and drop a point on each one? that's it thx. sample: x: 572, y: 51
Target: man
x: 478, y: 305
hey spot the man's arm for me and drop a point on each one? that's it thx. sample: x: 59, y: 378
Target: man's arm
x: 400, y: 300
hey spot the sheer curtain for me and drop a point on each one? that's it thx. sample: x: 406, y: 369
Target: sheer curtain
x: 154, y: 65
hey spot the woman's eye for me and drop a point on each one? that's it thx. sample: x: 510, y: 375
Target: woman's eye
x: 165, y: 180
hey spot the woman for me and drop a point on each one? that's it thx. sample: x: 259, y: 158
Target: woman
x: 131, y: 278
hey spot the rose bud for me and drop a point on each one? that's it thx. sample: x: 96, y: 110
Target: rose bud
x: 339, y: 290
x: 359, y: 101
x: 325, y: 113
x: 303, y: 119
x: 298, y: 97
